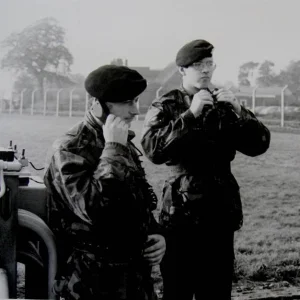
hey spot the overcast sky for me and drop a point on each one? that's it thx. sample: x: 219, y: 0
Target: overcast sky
x: 150, y: 32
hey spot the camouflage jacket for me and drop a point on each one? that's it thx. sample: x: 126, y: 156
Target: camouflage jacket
x: 99, y: 197
x: 202, y: 186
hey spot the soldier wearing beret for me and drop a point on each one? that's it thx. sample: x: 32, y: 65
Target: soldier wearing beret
x: 196, y: 132
x: 100, y: 201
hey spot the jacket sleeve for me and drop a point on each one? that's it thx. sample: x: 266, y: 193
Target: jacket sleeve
x: 252, y: 137
x: 161, y: 133
x: 85, y: 189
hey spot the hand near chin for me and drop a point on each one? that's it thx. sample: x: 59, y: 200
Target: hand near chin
x: 115, y: 130
x: 223, y: 95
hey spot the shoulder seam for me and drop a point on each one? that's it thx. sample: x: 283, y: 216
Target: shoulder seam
x: 169, y: 96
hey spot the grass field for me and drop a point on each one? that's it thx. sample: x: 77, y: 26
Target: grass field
x: 267, y: 247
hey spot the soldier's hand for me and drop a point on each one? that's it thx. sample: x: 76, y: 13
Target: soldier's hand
x: 115, y: 130
x: 154, y: 253
x: 200, y: 99
x: 224, y: 95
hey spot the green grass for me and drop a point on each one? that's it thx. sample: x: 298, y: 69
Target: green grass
x: 267, y: 247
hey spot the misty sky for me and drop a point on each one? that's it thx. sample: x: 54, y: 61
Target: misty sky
x: 149, y: 33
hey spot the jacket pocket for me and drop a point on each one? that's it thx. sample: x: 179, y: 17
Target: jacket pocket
x: 191, y: 200
x: 166, y: 203
x: 191, y: 189
x: 180, y: 200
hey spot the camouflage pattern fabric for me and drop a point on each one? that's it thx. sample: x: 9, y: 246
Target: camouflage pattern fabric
x: 101, y: 213
x: 91, y: 278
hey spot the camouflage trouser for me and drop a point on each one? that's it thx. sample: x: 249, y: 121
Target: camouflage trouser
x: 86, y: 278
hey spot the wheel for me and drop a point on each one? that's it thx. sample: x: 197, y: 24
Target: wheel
x: 37, y: 250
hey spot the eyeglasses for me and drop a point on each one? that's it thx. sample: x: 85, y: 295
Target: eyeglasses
x: 201, y: 65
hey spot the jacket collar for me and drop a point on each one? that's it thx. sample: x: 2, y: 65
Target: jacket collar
x: 188, y: 98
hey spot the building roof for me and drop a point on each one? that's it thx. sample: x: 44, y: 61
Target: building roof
x: 147, y: 73
x: 166, y: 74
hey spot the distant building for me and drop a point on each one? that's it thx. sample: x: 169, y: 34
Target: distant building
x: 149, y: 74
x: 146, y: 72
x: 267, y: 96
x: 162, y: 81
x: 149, y: 94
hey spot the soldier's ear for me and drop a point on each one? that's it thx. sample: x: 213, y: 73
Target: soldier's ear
x: 181, y: 70
x: 97, y: 108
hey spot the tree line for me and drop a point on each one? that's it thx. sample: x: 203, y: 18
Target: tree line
x: 263, y: 75
x: 40, y: 59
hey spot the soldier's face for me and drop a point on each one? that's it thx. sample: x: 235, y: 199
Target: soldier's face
x: 127, y: 111
x: 199, y: 74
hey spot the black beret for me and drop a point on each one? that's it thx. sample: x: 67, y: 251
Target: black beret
x: 192, y: 52
x: 111, y: 83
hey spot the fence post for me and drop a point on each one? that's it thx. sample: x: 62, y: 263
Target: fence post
x: 10, y: 103
x: 57, y: 101
x: 32, y: 100
x: 253, y: 98
x: 71, y: 100
x: 45, y: 101
x: 1, y: 101
x: 282, y: 105
x: 21, y: 102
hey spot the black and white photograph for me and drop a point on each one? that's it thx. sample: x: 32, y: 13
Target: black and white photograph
x: 150, y: 150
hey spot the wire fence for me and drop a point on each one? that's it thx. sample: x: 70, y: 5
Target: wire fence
x: 58, y: 102
x: 74, y: 102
